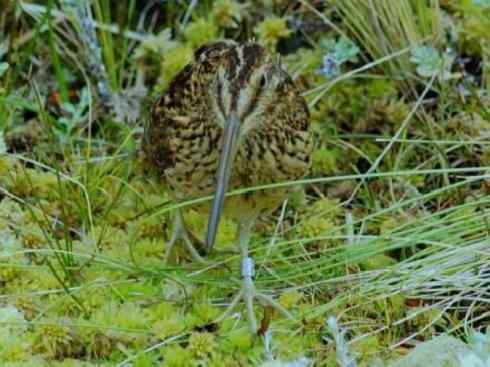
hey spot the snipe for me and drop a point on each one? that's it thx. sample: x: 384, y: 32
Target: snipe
x: 232, y: 118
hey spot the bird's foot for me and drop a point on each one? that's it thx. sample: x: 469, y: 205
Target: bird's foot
x: 180, y: 232
x: 248, y: 293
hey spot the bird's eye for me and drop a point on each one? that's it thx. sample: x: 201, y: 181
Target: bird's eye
x: 263, y: 81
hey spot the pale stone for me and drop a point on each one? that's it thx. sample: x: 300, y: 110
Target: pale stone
x: 442, y: 351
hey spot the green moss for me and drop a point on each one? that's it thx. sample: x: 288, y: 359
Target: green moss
x: 226, y: 236
x: 13, y: 348
x: 144, y: 360
x: 324, y: 162
x: 146, y: 227
x: 290, y: 298
x: 475, y: 23
x: 176, y: 356
x: 56, y: 339
x: 171, y: 325
x: 32, y: 237
x: 131, y: 298
x: 6, y: 165
x: 166, y: 320
x: 99, y: 344
x: 315, y: 226
x: 227, y: 13
x: 271, y: 30
x: 147, y: 252
x: 237, y: 340
x: 365, y: 348
x: 465, y: 124
x: 201, y: 314
x: 10, y: 256
x: 200, y: 32
x: 202, y: 345
x: 172, y: 63
x: 305, y: 62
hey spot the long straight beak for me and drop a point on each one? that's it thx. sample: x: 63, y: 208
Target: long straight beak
x: 231, y: 134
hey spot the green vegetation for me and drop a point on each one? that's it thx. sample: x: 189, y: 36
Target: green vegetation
x: 388, y: 244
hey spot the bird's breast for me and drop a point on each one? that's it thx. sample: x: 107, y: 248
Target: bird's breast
x: 260, y: 160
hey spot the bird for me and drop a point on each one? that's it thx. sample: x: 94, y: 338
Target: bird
x: 231, y: 118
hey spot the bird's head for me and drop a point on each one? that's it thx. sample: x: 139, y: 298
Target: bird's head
x: 245, y: 87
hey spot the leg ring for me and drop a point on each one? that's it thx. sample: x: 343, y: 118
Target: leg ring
x: 248, y: 267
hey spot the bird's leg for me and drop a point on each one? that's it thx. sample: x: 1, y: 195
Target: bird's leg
x: 247, y: 270
x: 180, y: 232
x: 248, y: 292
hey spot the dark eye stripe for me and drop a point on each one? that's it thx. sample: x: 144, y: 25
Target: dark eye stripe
x: 233, y: 64
x: 252, y: 55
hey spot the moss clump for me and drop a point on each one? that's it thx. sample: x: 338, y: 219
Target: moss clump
x: 271, y: 30
x: 200, y: 32
x: 10, y: 256
x: 172, y: 63
x: 166, y: 320
x: 127, y: 317
x: 227, y: 13
x: 474, y: 26
x: 146, y: 227
x: 100, y: 345
x: 315, y: 227
x: 237, y: 341
x: 176, y: 356
x: 201, y: 314
x: 147, y: 251
x: 197, y: 223
x: 14, y: 348
x: 324, y: 162
x: 385, y: 114
x: 467, y: 124
x: 290, y: 298
x: 202, y: 345
x: 34, y: 279
x: 168, y: 327
x: 6, y: 166
x: 56, y: 339
x: 32, y: 237
x: 365, y: 348
x: 305, y: 62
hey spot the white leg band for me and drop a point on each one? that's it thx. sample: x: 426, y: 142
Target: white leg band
x: 248, y: 267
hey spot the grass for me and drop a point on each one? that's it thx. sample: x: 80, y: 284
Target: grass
x: 384, y: 27
x: 389, y: 238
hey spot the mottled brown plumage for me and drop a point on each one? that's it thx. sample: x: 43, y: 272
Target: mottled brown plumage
x: 183, y: 138
x: 233, y: 117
